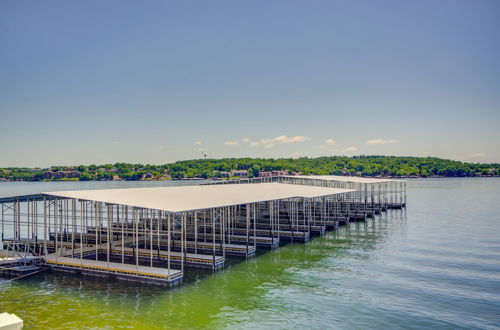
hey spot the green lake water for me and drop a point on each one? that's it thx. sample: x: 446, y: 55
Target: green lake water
x: 434, y: 265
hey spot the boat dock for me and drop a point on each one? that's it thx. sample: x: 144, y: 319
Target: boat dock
x: 153, y: 234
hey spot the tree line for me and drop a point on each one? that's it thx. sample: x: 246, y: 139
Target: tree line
x: 384, y: 166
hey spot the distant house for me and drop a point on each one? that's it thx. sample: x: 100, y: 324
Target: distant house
x: 266, y: 174
x: 224, y: 174
x: 49, y: 175
x: 278, y: 173
x: 240, y: 173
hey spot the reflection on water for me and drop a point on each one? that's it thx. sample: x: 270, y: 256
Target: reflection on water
x: 434, y: 265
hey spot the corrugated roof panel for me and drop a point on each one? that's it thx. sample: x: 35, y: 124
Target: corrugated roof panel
x: 190, y: 198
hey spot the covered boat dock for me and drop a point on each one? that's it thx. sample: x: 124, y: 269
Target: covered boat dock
x: 153, y: 234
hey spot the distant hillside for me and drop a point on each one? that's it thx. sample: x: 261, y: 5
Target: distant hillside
x: 383, y: 166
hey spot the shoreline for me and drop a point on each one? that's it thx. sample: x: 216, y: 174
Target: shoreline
x: 236, y: 179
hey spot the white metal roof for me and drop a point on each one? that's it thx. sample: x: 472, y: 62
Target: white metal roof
x: 354, y: 179
x: 190, y: 198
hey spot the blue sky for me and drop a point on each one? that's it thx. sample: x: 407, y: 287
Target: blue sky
x: 86, y: 82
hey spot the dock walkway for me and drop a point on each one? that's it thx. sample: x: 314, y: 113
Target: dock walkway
x: 237, y: 250
x: 191, y: 259
x: 123, y: 271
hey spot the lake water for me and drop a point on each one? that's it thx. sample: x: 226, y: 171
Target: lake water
x: 434, y: 265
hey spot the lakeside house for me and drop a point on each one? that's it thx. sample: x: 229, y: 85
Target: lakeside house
x: 50, y: 175
x: 240, y: 173
x: 235, y: 173
x: 266, y: 174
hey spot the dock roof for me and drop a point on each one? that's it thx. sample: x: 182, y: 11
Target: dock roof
x: 192, y: 198
x: 353, y: 179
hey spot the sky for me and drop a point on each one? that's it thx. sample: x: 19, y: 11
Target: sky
x: 95, y: 82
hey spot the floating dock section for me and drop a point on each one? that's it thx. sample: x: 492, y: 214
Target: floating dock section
x: 153, y: 234
x: 155, y: 275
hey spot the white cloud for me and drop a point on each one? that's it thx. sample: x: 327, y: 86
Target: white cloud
x: 350, y: 149
x: 381, y: 141
x: 231, y: 143
x: 282, y: 139
x: 116, y: 142
x: 292, y: 139
x: 161, y: 147
x: 330, y: 142
x: 198, y: 143
x: 297, y: 154
x: 246, y: 140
